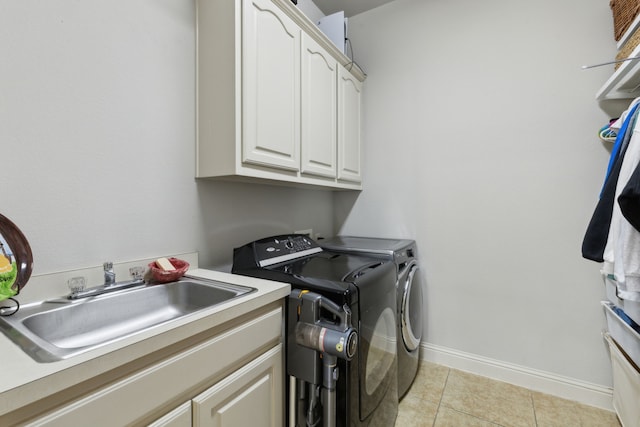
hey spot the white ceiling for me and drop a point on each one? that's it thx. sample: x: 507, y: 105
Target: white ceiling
x: 350, y: 7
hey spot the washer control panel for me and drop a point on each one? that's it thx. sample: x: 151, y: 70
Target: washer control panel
x: 274, y: 250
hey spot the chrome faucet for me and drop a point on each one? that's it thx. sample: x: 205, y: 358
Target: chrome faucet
x: 109, y: 274
x: 109, y: 285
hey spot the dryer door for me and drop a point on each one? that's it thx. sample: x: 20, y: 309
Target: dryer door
x: 411, y: 307
x: 378, y: 346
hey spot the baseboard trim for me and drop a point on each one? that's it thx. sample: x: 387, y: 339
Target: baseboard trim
x: 544, y: 382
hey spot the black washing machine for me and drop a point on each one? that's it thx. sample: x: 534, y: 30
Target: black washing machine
x: 409, y: 297
x: 366, y: 388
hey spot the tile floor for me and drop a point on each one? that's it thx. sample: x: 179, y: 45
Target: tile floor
x: 443, y: 397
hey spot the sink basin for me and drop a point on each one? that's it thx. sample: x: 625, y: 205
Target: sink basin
x: 58, y: 329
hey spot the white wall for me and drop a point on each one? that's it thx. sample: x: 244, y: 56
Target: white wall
x: 97, y: 131
x: 481, y: 143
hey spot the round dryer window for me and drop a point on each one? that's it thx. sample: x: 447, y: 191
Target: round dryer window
x: 382, y: 351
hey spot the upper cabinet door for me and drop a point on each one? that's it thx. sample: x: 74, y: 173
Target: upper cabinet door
x: 319, y: 110
x: 270, y: 86
x: 349, y: 99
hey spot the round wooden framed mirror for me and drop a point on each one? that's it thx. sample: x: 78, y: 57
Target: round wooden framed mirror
x: 16, y: 263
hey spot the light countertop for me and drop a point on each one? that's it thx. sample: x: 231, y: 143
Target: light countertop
x: 24, y: 381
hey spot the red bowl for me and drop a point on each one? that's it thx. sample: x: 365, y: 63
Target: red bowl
x: 162, y: 276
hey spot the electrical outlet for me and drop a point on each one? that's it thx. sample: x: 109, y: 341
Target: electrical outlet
x: 308, y: 232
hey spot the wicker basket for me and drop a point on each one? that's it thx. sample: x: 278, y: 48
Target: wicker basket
x: 628, y: 47
x: 624, y: 12
x: 162, y: 276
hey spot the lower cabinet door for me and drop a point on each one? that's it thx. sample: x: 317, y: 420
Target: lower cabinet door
x: 251, y: 396
x: 179, y: 417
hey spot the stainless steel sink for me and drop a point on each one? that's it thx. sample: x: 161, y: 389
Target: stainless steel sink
x: 58, y: 329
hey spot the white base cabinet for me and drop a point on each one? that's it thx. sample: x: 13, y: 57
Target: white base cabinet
x: 273, y: 105
x: 227, y: 379
x: 179, y: 417
x: 251, y: 396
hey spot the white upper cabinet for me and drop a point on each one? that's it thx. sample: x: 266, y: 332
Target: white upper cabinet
x: 319, y: 109
x: 270, y: 86
x: 349, y: 121
x: 271, y: 106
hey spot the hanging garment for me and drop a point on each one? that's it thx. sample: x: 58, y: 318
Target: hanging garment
x: 623, y: 125
x: 595, y: 239
x: 629, y: 199
x: 622, y: 251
